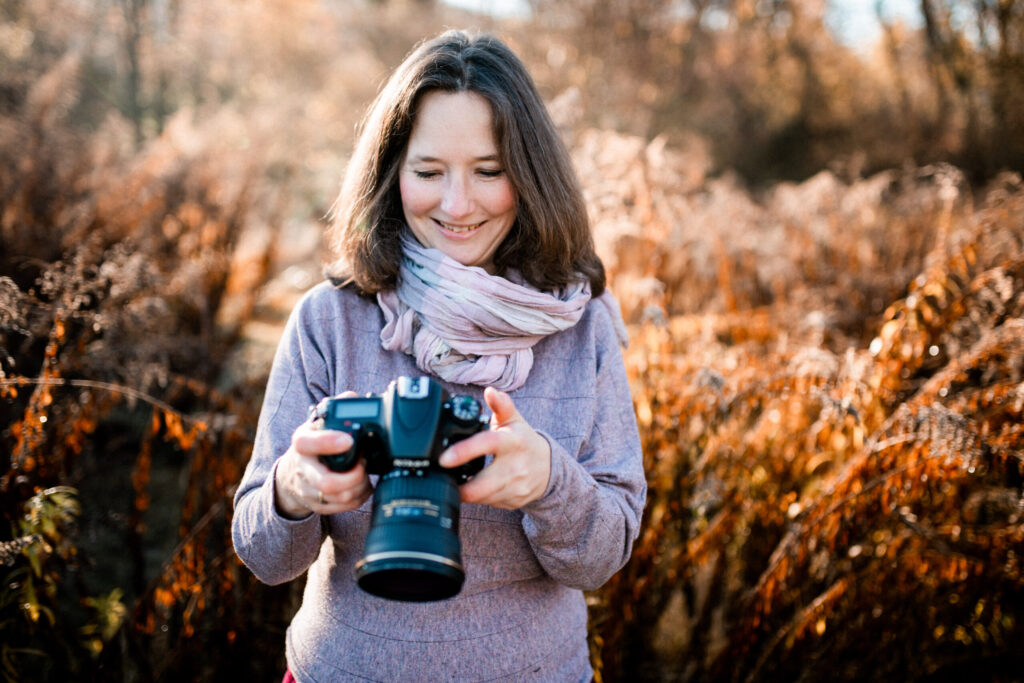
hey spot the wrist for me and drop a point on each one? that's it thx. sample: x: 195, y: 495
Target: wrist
x: 287, y: 502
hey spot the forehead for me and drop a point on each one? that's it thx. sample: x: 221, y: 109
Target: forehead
x: 452, y: 124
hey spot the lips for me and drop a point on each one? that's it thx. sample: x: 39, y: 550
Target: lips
x: 458, y: 229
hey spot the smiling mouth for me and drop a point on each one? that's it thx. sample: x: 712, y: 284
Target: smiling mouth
x: 458, y: 229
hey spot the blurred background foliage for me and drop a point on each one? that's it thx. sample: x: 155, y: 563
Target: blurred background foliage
x: 817, y: 244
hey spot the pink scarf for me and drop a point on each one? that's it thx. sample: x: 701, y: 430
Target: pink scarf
x: 469, y: 327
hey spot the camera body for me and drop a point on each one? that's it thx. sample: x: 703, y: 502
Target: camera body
x: 412, y: 550
x: 408, y: 426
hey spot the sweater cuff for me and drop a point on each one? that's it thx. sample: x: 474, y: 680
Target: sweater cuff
x: 555, y: 497
x: 275, y: 548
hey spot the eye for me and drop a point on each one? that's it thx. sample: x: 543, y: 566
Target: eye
x: 426, y: 175
x: 491, y: 172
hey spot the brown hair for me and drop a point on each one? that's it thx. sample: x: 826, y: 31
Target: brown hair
x: 550, y: 243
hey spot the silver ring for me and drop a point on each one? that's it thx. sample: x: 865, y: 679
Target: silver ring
x: 320, y: 497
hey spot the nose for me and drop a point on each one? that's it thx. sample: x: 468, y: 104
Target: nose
x: 456, y: 201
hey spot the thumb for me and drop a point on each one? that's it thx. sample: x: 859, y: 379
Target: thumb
x: 501, y: 405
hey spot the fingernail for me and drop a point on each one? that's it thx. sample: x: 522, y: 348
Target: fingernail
x: 447, y: 458
x: 341, y: 439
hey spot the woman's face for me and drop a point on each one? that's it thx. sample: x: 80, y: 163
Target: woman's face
x: 456, y: 196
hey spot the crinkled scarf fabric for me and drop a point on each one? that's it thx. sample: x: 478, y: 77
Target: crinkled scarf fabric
x: 467, y: 326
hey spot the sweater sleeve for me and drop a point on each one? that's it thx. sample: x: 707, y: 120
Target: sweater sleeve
x: 274, y: 548
x: 582, y: 529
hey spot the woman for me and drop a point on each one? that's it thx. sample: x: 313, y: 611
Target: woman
x: 464, y: 253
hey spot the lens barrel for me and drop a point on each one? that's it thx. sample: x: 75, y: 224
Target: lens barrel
x: 412, y: 551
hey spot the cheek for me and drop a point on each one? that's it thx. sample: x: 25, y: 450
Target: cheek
x: 416, y: 199
x: 501, y: 199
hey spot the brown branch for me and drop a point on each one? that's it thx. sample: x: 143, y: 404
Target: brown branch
x: 103, y: 386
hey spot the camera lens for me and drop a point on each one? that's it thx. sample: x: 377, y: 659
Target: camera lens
x: 412, y: 551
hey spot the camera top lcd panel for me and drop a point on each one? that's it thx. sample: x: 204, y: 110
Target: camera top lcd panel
x: 355, y: 409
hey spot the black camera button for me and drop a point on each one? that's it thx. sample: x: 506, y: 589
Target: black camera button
x: 465, y: 408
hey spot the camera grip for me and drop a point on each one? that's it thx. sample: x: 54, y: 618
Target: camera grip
x: 341, y: 462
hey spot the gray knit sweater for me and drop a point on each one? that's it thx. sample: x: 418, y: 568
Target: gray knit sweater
x: 521, y: 613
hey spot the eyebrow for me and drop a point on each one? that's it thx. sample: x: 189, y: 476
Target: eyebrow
x: 426, y: 158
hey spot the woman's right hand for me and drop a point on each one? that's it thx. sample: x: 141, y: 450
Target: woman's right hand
x: 304, y: 485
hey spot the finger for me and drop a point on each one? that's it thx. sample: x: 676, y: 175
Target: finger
x: 338, y: 492
x: 352, y: 498
x: 481, y: 488
x: 309, y: 441
x: 346, y: 500
x: 479, y: 444
x: 494, y: 487
x: 336, y: 483
x: 503, y: 410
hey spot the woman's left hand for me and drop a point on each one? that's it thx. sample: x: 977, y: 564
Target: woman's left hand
x: 521, y: 467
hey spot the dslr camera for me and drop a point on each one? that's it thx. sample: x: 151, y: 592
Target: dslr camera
x: 412, y: 550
